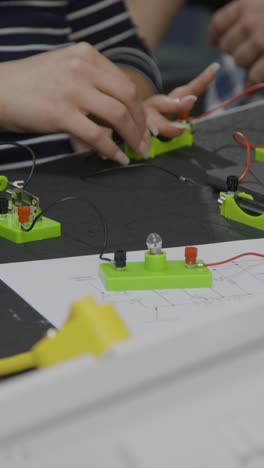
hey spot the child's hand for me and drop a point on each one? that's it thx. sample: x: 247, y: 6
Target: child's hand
x: 160, y: 109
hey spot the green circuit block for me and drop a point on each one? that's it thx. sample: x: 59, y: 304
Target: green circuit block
x: 155, y: 273
x: 229, y: 209
x: 259, y: 154
x: 44, y: 229
x: 158, y: 147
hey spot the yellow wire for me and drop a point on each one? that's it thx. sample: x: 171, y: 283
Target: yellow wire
x: 17, y: 363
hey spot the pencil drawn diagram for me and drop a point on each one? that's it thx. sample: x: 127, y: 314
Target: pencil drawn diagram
x: 231, y: 283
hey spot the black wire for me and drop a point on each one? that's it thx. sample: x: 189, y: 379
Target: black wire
x: 137, y: 165
x: 32, y: 155
x: 97, y: 211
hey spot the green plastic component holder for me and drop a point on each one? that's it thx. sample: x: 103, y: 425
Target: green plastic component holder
x: 158, y: 147
x: 155, y: 273
x: 259, y: 154
x: 229, y: 209
x: 44, y: 229
x: 3, y: 183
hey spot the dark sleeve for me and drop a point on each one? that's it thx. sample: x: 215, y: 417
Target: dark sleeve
x: 211, y: 4
x: 107, y: 25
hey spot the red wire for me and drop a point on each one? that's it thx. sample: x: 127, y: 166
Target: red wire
x: 242, y: 140
x: 251, y: 89
x: 255, y: 254
x: 250, y: 145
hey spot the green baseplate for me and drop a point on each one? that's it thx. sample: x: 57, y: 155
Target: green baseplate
x: 158, y: 147
x: 156, y: 272
x: 44, y: 229
x: 229, y: 209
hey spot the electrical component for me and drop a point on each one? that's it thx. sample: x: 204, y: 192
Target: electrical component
x: 184, y: 116
x: 231, y: 208
x: 232, y: 183
x: 156, y: 272
x: 240, y: 206
x: 3, y: 206
x: 17, y: 206
x: 90, y: 329
x: 154, y: 243
x: 158, y: 146
x: 120, y: 259
x: 251, y: 207
x: 23, y: 214
x: 190, y: 256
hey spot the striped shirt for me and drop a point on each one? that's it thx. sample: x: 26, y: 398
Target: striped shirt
x: 29, y: 27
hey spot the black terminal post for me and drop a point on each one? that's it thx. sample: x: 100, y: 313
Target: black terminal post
x: 120, y: 259
x: 232, y: 183
x: 3, y: 205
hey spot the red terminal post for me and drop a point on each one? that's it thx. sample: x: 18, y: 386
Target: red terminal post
x: 23, y: 213
x: 190, y: 256
x: 184, y: 116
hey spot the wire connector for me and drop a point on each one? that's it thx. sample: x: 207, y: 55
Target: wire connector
x: 90, y: 329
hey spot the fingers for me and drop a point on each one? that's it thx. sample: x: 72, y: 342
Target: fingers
x: 256, y: 73
x: 112, y: 81
x: 116, y: 115
x: 170, y: 105
x: 246, y: 54
x: 79, y: 146
x: 199, y: 85
x: 232, y: 38
x: 244, y: 40
x: 181, y: 99
x: 107, y: 93
x: 95, y: 136
x: 125, y: 93
x: 163, y: 126
x: 223, y: 20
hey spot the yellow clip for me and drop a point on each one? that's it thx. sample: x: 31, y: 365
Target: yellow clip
x: 90, y: 329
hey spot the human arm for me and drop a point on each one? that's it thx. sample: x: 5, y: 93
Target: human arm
x: 237, y: 29
x: 153, y: 18
x: 111, y: 30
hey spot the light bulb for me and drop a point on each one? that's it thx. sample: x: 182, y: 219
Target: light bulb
x: 154, y: 243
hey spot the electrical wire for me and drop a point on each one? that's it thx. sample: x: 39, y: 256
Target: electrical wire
x: 223, y: 262
x: 97, y: 211
x: 252, y: 146
x: 181, y: 178
x: 242, y: 140
x: 16, y: 364
x: 31, y: 153
x: 250, y: 90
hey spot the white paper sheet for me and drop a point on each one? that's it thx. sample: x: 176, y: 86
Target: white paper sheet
x: 51, y: 286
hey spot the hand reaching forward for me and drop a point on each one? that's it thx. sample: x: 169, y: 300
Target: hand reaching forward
x: 74, y: 90
x: 161, y: 108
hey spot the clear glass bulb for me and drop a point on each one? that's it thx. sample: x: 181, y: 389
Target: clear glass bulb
x: 154, y: 243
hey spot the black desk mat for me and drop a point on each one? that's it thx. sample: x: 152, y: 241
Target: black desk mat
x: 21, y: 326
x: 134, y: 202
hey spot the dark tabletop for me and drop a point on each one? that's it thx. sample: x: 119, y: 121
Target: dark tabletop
x: 134, y: 202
